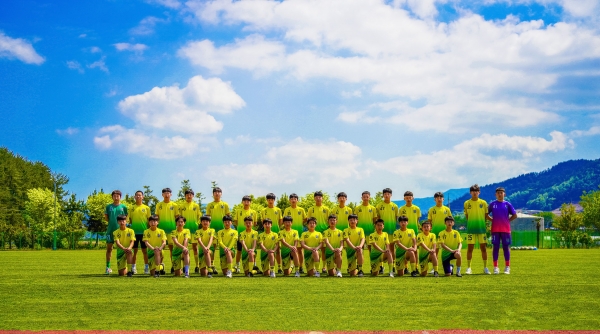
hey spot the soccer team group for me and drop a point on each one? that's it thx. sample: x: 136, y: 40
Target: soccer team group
x: 294, y: 238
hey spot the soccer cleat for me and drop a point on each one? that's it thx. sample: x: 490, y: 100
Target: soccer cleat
x: 380, y: 270
x: 156, y: 274
x: 338, y: 274
x: 187, y: 275
x: 108, y: 271
x: 301, y: 270
x: 129, y: 274
x: 146, y: 269
x: 406, y: 271
x: 134, y: 270
x: 496, y: 270
x: 228, y: 274
x: 209, y: 275
x: 431, y: 271
x: 451, y: 269
x: 172, y: 270
x: 214, y: 271
x: 360, y: 273
x: 469, y: 271
x: 250, y: 275
x: 279, y: 272
x: 414, y: 274
x: 324, y: 270
x: 507, y: 270
x: 486, y: 271
x: 272, y: 274
x: 435, y: 274
x: 317, y: 274
x: 236, y: 269
x: 391, y: 274
x: 197, y: 270
x: 297, y: 274
x: 458, y: 275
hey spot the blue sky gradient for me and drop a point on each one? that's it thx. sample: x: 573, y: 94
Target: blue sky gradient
x: 296, y: 96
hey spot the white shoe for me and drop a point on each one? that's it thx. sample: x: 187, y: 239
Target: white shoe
x: 468, y: 272
x: 339, y: 274
x: 236, y: 269
x: 146, y: 269
x: 134, y: 270
x: 108, y: 271
x: 228, y: 274
x: 317, y: 274
x: 297, y: 274
x: 391, y: 274
x: 431, y: 272
x: 496, y: 271
x: 272, y: 274
x: 486, y: 271
x: 507, y: 270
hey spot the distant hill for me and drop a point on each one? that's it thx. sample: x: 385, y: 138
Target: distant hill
x: 546, y: 190
x: 426, y: 202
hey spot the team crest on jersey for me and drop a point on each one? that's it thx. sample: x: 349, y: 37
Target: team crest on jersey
x: 454, y: 236
x: 194, y: 209
x: 434, y: 211
x: 118, y: 235
x: 346, y: 212
x: 273, y: 238
x: 338, y: 234
x: 445, y: 212
x: 128, y: 234
x: 157, y: 234
x: 231, y: 234
x: 480, y: 206
x: 171, y: 208
x: 143, y: 210
x: 316, y: 237
x: 414, y: 210
x: 324, y: 211
x: 469, y: 206
x: 221, y: 206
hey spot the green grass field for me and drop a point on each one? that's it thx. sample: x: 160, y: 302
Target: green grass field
x: 548, y: 289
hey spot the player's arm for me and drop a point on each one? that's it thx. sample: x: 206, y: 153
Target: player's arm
x: 399, y: 244
x: 513, y: 213
x: 262, y: 246
x: 414, y: 247
x: 443, y: 245
x: 253, y: 249
x: 327, y: 244
x: 349, y: 243
x: 341, y: 246
x: 422, y: 245
x: 284, y: 243
x: 376, y: 246
x: 176, y: 242
x: 130, y: 245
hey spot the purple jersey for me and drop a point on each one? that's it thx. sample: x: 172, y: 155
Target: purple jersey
x: 501, y: 212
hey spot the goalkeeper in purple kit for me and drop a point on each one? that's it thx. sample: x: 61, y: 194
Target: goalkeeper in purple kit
x: 502, y: 213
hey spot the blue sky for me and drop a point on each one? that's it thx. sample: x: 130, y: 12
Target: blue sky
x: 295, y: 96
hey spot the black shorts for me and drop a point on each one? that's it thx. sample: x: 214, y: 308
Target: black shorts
x: 446, y: 264
x: 138, y: 240
x: 239, y: 246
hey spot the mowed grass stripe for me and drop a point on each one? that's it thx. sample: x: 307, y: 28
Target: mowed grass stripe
x: 547, y: 289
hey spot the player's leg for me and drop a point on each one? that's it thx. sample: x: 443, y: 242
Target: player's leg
x: 411, y: 257
x: 271, y: 258
x: 296, y: 260
x: 506, y: 241
x: 196, y: 258
x: 495, y: 251
x: 360, y: 260
x: 376, y: 260
x: 338, y: 263
x: 145, y: 255
x: 351, y: 260
x: 171, y: 254
x: 470, y: 247
x: 458, y: 257
x: 446, y: 264
x: 324, y: 260
x: 109, y: 248
x: 136, y: 243
x: 481, y: 238
x: 286, y: 261
x: 301, y: 259
x: 186, y: 263
x: 238, y: 256
x: 434, y: 260
x: 279, y: 260
x: 400, y: 261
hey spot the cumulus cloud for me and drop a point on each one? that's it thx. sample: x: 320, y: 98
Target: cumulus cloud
x: 172, y: 116
x: 147, y: 25
x: 593, y: 131
x: 100, y: 64
x: 137, y: 48
x: 75, y: 65
x: 20, y: 49
x: 463, y: 67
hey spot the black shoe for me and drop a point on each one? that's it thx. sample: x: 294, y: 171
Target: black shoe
x: 215, y: 272
x: 406, y: 271
x: 130, y: 274
x: 250, y: 275
x: 197, y: 270
x: 172, y: 270
x: 156, y: 274
x: 435, y: 274
x: 380, y: 270
x: 301, y: 270
x: 360, y: 273
x: 279, y: 272
x: 162, y: 272
x: 414, y: 274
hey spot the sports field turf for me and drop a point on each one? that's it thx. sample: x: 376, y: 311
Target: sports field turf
x: 547, y: 289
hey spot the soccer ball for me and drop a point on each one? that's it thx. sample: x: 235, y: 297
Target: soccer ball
x: 534, y: 248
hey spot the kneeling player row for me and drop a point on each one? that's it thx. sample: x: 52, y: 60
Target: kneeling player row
x: 401, y: 250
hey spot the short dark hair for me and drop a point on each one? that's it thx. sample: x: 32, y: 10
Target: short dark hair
x: 402, y: 219
x: 438, y: 194
x: 288, y: 219
x: 189, y: 191
x: 227, y: 218
x: 293, y: 195
x: 342, y: 194
x: 247, y: 198
x: 267, y: 221
x: 352, y: 216
x: 217, y: 190
x: 408, y: 193
x: 205, y: 218
x: 311, y: 219
x: 139, y: 191
x: 500, y: 189
x: 180, y: 217
x: 248, y: 218
x: 118, y: 192
x: 153, y: 218
x: 332, y: 216
x: 387, y: 190
x: 271, y: 196
x: 166, y: 190
x: 425, y: 223
x: 379, y: 220
x: 448, y: 218
x: 318, y: 193
x: 365, y: 192
x: 474, y: 187
x: 121, y: 217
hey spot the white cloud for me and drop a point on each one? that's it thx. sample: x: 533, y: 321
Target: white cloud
x: 137, y: 48
x: 137, y: 141
x: 147, y: 26
x: 95, y: 49
x: 351, y: 94
x: 469, y: 66
x: 20, y: 49
x: 100, y: 64
x: 318, y: 164
x: 82, y: 35
x: 593, y: 131
x: 183, y: 109
x: 68, y: 131
x: 75, y: 65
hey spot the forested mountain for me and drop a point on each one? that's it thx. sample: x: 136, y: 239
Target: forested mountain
x: 546, y: 190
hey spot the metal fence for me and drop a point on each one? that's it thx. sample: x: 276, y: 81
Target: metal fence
x: 85, y: 240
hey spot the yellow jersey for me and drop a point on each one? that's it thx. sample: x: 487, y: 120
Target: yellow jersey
x: 342, y: 216
x: 413, y: 213
x: 437, y: 215
x: 335, y: 237
x: 298, y: 216
x: 389, y: 213
x: 312, y: 239
x: 181, y: 235
x: 124, y: 236
x: 354, y: 235
x: 451, y: 239
x: 204, y: 236
x: 166, y: 215
x: 216, y: 211
x: 248, y: 238
x: 274, y: 214
x: 269, y: 240
x: 427, y: 240
x: 155, y: 238
x: 139, y: 218
x: 475, y: 212
x: 405, y: 237
x: 290, y: 237
x: 366, y: 217
x: 321, y: 213
x: 240, y: 214
x: 227, y: 238
x: 191, y: 212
